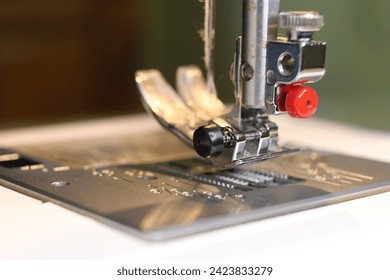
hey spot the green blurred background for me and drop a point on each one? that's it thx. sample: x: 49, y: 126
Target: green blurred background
x: 73, y: 59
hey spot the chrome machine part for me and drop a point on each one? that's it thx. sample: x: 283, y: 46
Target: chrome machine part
x: 301, y: 25
x: 267, y: 73
x: 159, y: 199
x: 259, y: 26
x: 208, y: 38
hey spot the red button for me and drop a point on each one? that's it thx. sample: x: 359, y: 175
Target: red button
x: 301, y: 101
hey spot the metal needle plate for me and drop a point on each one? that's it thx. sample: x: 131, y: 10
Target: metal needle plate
x: 160, y: 199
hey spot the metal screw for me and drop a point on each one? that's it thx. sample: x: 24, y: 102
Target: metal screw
x: 301, y: 25
x: 271, y: 78
x: 247, y: 72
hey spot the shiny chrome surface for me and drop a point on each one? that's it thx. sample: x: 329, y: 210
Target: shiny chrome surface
x: 262, y: 64
x: 159, y: 198
x: 179, y: 114
x: 194, y: 92
x: 260, y: 25
x: 300, y: 24
x: 166, y: 106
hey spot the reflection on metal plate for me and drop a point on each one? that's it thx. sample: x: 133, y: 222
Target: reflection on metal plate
x: 112, y: 150
x: 158, y: 198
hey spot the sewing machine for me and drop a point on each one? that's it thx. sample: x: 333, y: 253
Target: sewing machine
x: 231, y: 185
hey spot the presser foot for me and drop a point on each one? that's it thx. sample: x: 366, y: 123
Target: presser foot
x: 198, y: 117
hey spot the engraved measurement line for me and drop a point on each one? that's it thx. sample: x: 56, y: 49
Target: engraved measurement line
x: 362, y: 176
x: 202, y: 193
x: 325, y: 174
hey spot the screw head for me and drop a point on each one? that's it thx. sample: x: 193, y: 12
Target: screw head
x: 301, y: 21
x: 247, y: 72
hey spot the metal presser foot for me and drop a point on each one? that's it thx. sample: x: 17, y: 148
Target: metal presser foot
x: 268, y: 73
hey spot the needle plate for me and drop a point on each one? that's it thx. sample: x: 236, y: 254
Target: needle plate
x: 177, y: 194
